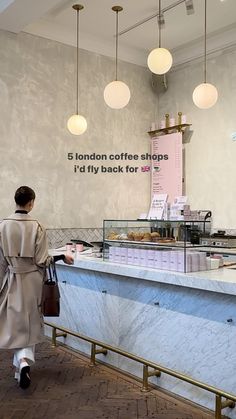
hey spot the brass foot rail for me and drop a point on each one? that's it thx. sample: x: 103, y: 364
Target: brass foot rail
x: 229, y: 401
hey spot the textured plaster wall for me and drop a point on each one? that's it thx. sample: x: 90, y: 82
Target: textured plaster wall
x: 37, y: 95
x: 211, y: 154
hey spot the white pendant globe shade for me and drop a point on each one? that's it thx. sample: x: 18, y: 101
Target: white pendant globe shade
x: 116, y: 94
x: 77, y: 124
x: 159, y: 60
x: 205, y: 95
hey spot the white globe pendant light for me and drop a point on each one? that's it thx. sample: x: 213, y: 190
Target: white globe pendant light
x: 205, y: 95
x: 77, y: 124
x: 160, y: 59
x: 116, y: 93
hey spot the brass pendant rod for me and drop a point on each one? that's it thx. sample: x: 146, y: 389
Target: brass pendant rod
x: 77, y: 63
x: 116, y: 9
x: 159, y: 24
x: 205, y: 28
x: 116, y: 43
x: 77, y: 7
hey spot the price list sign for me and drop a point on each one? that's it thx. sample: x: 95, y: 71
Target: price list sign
x: 167, y: 171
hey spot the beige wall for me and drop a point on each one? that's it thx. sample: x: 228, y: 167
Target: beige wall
x: 37, y: 95
x: 211, y: 153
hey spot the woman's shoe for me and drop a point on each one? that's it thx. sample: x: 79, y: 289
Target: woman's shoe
x: 24, y: 380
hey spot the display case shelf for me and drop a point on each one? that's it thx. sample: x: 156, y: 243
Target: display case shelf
x: 157, y: 244
x: 161, y: 244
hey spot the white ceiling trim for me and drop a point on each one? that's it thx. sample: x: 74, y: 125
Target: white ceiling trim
x: 55, y: 32
x: 190, y: 51
x: 217, y: 41
x: 16, y: 14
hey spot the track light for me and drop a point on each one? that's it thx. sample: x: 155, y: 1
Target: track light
x: 189, y: 7
x: 161, y: 20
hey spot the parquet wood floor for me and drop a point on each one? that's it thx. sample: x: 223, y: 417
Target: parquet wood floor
x: 64, y: 386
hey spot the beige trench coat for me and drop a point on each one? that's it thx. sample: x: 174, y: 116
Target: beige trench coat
x: 23, y: 256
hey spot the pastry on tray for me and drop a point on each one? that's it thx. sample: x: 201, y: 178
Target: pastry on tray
x: 146, y: 237
x: 165, y: 240
x: 138, y: 236
x: 113, y: 236
x: 130, y: 236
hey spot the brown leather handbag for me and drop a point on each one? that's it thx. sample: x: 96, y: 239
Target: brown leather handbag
x: 51, y: 293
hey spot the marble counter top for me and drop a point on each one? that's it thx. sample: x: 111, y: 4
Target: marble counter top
x: 221, y: 280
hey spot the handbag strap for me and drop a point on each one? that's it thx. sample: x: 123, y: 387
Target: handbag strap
x: 49, y: 273
x: 52, y: 273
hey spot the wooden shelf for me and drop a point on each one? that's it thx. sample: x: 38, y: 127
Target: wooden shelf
x: 179, y: 128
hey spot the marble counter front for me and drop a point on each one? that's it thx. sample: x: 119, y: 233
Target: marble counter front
x: 182, y: 321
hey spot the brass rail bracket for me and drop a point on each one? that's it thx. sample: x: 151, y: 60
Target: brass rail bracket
x: 146, y: 375
x: 220, y: 405
x: 95, y: 352
x: 56, y: 335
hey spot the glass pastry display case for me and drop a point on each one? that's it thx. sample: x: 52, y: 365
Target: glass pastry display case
x: 160, y: 244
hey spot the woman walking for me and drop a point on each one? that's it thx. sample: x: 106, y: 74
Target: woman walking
x: 23, y: 258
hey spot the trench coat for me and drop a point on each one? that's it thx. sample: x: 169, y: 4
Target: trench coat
x: 23, y: 257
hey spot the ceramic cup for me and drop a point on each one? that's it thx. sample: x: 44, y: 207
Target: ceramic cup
x: 79, y: 247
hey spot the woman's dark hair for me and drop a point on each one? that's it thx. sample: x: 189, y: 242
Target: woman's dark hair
x: 23, y: 195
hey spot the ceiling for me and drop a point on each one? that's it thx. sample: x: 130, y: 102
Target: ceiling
x: 182, y: 34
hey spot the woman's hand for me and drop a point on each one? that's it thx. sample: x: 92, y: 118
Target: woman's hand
x: 69, y: 259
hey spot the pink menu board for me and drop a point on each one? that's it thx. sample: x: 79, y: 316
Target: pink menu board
x: 167, y: 168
